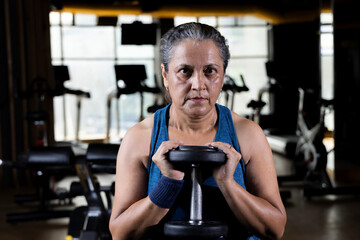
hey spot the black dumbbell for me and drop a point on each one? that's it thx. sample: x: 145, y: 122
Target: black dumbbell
x: 195, y: 157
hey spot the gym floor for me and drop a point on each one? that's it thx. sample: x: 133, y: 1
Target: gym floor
x: 330, y: 217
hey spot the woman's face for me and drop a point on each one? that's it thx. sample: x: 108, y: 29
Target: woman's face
x: 195, y: 76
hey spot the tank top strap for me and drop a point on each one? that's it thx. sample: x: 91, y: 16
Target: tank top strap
x: 226, y: 130
x: 159, y: 135
x: 159, y: 131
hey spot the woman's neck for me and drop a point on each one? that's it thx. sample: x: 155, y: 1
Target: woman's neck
x: 179, y: 121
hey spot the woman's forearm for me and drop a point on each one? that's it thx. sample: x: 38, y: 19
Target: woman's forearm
x: 255, y: 213
x: 134, y: 221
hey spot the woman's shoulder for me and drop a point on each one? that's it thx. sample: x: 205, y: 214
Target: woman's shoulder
x: 136, y: 142
x: 245, y: 125
x: 140, y: 131
x: 250, y: 135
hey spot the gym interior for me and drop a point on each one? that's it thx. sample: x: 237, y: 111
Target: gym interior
x: 76, y: 75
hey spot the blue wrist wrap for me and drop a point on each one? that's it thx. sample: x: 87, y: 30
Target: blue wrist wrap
x: 166, y: 191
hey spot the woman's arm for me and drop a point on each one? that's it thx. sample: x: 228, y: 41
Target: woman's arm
x: 260, y: 208
x: 133, y: 211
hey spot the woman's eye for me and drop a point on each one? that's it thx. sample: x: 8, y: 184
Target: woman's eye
x: 185, y: 71
x: 209, y: 71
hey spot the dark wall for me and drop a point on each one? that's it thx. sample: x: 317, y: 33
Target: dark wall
x: 5, y: 132
x: 10, y: 106
x: 24, y: 56
x: 347, y: 88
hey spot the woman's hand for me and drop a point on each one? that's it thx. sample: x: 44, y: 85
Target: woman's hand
x: 159, y: 158
x: 226, y: 171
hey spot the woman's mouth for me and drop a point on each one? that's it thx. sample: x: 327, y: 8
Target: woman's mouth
x: 197, y: 99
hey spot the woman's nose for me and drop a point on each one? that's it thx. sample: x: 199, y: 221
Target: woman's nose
x: 198, y: 82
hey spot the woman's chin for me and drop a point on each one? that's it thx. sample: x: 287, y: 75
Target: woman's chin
x: 198, y: 109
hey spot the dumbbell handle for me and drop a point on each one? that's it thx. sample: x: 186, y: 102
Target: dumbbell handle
x: 196, y: 194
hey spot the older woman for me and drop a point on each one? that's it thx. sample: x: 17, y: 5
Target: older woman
x: 149, y: 190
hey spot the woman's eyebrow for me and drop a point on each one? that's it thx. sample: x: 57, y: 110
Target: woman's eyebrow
x: 183, y: 66
x: 211, y: 65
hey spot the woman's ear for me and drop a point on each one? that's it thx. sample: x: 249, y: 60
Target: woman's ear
x: 164, y: 75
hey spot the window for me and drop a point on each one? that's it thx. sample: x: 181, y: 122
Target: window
x: 90, y: 52
x: 327, y: 63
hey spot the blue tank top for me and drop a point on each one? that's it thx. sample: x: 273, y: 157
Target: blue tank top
x: 214, y: 204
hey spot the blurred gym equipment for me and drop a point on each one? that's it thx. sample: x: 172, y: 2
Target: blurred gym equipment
x: 133, y: 78
x: 61, y: 75
x: 230, y: 88
x: 91, y: 222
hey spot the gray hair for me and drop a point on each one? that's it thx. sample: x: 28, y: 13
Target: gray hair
x: 197, y: 31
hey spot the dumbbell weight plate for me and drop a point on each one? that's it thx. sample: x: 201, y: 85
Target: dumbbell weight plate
x: 195, y: 230
x: 185, y: 154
